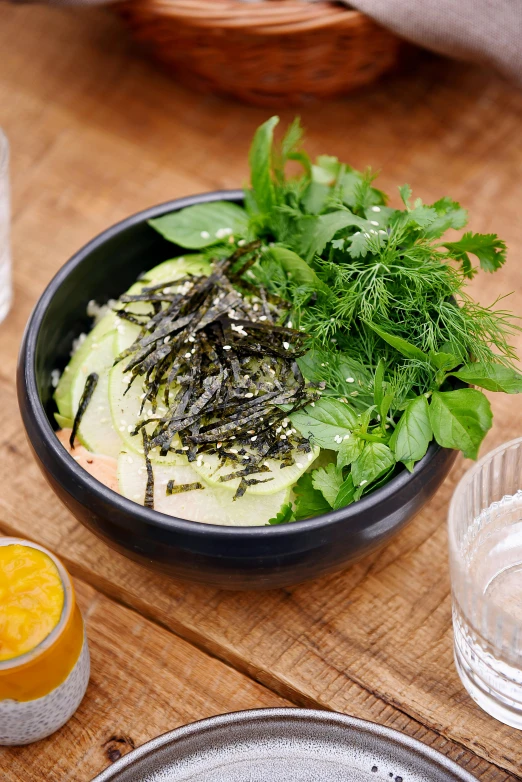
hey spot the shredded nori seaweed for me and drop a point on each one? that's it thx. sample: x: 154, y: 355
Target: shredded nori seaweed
x: 149, y: 489
x: 174, y: 488
x: 214, y: 356
x: 88, y: 391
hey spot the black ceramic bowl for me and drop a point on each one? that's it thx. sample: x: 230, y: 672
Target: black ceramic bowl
x: 230, y: 557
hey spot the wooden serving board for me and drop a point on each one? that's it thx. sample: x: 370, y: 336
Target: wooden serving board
x: 98, y: 133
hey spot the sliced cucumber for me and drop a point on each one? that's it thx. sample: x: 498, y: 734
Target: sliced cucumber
x: 277, y: 477
x: 96, y: 431
x: 208, y: 505
x: 174, y: 269
x: 63, y: 395
x: 63, y: 422
x: 125, y: 411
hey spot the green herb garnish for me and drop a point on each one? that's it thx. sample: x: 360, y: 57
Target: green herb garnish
x: 393, y: 335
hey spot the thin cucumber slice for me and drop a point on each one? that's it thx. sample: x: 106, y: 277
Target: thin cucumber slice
x: 174, y: 269
x: 62, y: 395
x: 208, y: 505
x: 277, y: 478
x: 125, y: 411
x: 96, y: 431
x: 63, y: 422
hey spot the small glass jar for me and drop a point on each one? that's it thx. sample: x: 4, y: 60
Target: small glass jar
x: 41, y: 688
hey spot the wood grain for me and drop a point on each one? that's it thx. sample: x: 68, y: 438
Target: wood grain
x: 97, y: 134
x: 144, y: 682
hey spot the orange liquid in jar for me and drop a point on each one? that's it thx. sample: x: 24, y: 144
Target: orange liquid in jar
x: 31, y: 599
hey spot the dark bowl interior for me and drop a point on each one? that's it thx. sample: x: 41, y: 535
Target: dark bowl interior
x: 230, y: 557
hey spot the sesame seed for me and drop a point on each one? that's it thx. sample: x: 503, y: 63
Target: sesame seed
x: 254, y: 438
x: 312, y: 404
x: 185, y: 448
x: 249, y: 395
x: 383, y: 232
x: 347, y: 436
x: 187, y: 355
x: 354, y: 393
x: 135, y: 496
x: 227, y: 347
x: 376, y: 208
x: 130, y: 428
x: 310, y: 457
x: 298, y: 464
x: 367, y: 235
x: 282, y: 437
x: 363, y: 482
x: 205, y: 235
x: 219, y: 445
x: 233, y: 450
x: 241, y: 243
x: 286, y: 345
x: 374, y: 222
x: 289, y: 324
x: 350, y: 380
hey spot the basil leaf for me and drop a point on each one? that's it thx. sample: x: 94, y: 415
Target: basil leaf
x: 284, y: 515
x: 445, y: 361
x: 375, y: 459
x: 491, y: 376
x: 349, y: 451
x: 297, y: 269
x: 328, y: 480
x: 403, y: 346
x: 326, y: 226
x: 460, y: 419
x: 203, y: 224
x: 260, y: 159
x: 378, y: 392
x: 309, y: 501
x: 345, y: 495
x: 327, y: 422
x: 413, y: 433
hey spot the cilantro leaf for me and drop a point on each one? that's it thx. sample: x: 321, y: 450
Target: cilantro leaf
x: 260, y: 159
x: 449, y: 215
x: 359, y: 244
x: 375, y: 459
x: 413, y: 433
x: 326, y: 226
x: 309, y: 501
x: 327, y: 422
x: 202, y: 225
x: 405, y: 194
x: 460, y: 419
x: 489, y: 249
x: 328, y: 481
x: 492, y: 377
x: 284, y: 515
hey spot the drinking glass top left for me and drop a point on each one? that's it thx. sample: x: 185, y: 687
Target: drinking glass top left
x: 5, y: 216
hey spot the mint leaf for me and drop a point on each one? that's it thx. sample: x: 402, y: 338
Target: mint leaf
x: 460, y: 419
x: 284, y: 515
x: 328, y: 481
x: 403, y: 346
x: 298, y: 270
x: 491, y: 376
x: 203, y: 224
x: 327, y: 422
x: 489, y: 249
x: 346, y: 494
x: 326, y: 226
x: 374, y: 460
x: 260, y: 159
x: 309, y: 501
x: 349, y: 450
x: 413, y: 433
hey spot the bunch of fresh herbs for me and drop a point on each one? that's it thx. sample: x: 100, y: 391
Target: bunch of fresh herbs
x: 382, y: 295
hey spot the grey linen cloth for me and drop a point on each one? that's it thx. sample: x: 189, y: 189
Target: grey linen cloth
x: 487, y: 31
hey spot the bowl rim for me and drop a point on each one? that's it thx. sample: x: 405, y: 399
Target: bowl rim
x: 146, y: 516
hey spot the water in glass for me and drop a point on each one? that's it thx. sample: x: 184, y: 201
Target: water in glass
x: 485, y: 531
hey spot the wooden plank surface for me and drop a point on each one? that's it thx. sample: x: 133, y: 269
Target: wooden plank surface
x: 97, y: 134
x: 144, y: 682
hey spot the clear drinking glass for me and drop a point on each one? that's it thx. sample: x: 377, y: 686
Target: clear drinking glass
x: 485, y: 541
x: 5, y: 247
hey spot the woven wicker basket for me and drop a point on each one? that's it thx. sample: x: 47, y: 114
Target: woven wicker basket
x: 266, y: 52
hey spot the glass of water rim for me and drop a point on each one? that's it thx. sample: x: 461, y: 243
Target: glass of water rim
x: 485, y: 543
x: 5, y: 215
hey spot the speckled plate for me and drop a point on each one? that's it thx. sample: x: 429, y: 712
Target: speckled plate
x: 284, y: 745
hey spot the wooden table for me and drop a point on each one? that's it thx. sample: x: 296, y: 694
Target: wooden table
x: 98, y: 133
